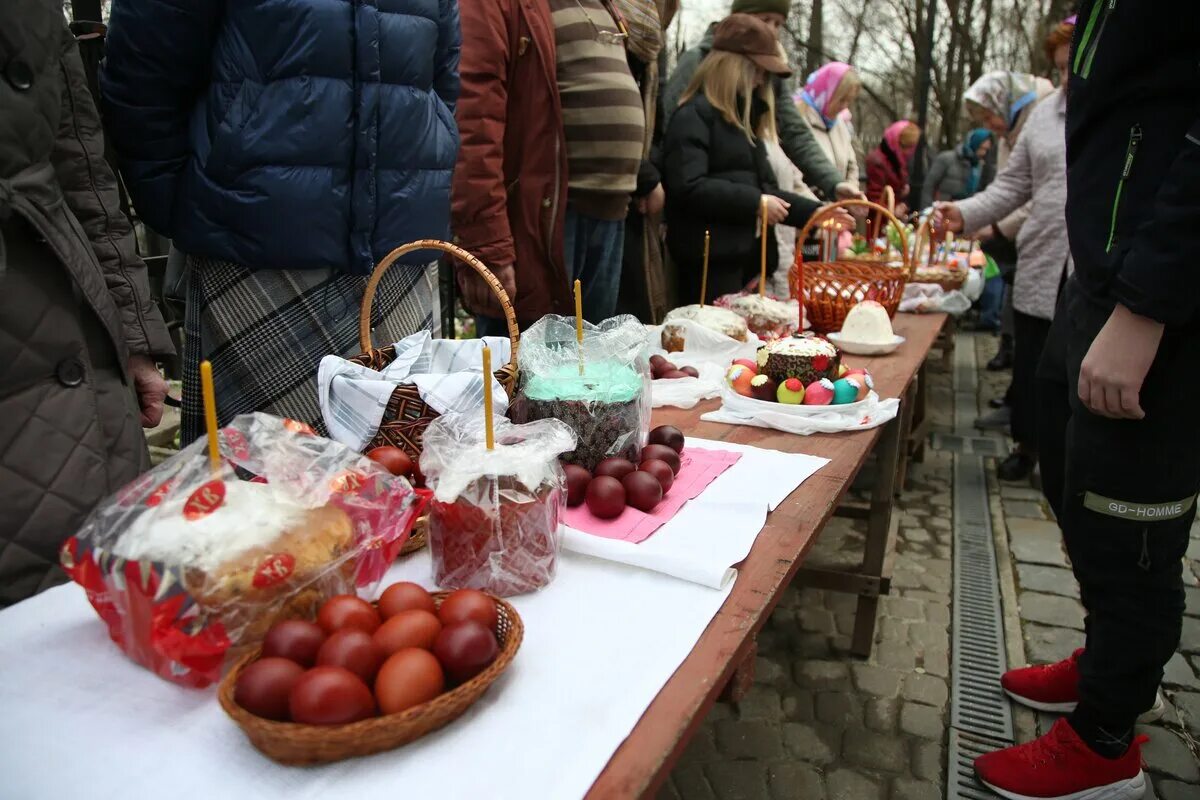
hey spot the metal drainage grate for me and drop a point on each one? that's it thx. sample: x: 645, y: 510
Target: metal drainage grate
x: 980, y: 715
x: 964, y: 749
x: 967, y: 445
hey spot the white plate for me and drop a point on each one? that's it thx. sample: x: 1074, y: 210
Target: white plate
x: 860, y: 349
x: 739, y: 403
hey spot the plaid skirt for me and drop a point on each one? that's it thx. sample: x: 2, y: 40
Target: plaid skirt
x: 265, y: 332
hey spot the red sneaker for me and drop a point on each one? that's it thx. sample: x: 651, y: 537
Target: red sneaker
x: 1055, y: 688
x: 1046, y: 687
x: 1059, y: 766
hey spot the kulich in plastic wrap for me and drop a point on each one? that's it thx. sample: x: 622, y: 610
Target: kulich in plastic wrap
x: 494, y: 517
x: 187, y: 566
x: 608, y: 405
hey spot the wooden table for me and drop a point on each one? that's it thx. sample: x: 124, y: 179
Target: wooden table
x: 643, y: 761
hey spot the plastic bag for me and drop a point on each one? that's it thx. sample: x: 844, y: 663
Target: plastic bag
x: 928, y: 298
x: 769, y: 318
x: 494, y: 518
x: 608, y: 405
x: 188, y: 566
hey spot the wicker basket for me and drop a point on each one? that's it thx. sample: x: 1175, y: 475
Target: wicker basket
x: 943, y: 275
x: 407, y: 415
x: 292, y: 743
x: 418, y: 538
x: 831, y: 288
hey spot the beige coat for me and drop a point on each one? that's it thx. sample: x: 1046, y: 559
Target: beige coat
x: 837, y: 144
x: 74, y: 303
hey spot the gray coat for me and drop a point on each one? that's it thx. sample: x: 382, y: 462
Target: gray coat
x: 1035, y: 173
x: 795, y: 136
x: 74, y: 303
x: 948, y: 177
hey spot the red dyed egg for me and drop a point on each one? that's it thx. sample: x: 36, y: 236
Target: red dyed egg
x: 606, y: 497
x: 669, y: 435
x: 642, y: 490
x: 661, y: 470
x: 662, y: 453
x: 578, y: 479
x: 615, y: 467
x: 691, y: 372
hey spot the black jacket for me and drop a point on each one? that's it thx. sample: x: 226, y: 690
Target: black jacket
x: 714, y: 179
x: 1133, y: 157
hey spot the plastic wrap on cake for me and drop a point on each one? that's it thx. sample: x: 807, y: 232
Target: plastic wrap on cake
x: 494, y: 516
x: 607, y: 404
x: 188, y: 565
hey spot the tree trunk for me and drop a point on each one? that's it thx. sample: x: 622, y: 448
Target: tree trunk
x: 816, y: 36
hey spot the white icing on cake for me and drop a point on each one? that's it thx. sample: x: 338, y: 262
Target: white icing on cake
x: 762, y: 308
x: 252, y: 516
x: 868, y: 323
x: 721, y: 320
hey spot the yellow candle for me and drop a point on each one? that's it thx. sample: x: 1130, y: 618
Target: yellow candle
x: 487, y: 398
x: 210, y: 415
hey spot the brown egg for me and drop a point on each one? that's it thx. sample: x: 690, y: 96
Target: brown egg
x: 330, y: 696
x: 691, y: 372
x: 669, y: 435
x: 615, y: 467
x: 264, y: 686
x: 642, y: 490
x: 415, y: 627
x: 578, y: 479
x: 354, y: 650
x: 404, y: 596
x: 674, y: 374
x: 662, y: 453
x: 408, y: 678
x: 660, y: 470
x: 606, y: 497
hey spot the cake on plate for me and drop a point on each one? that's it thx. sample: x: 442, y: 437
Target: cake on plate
x: 868, y: 323
x: 714, y: 318
x: 767, y: 317
x: 808, y: 358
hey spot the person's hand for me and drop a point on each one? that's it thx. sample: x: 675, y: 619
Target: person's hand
x: 841, y: 218
x: 150, y: 387
x: 848, y: 191
x: 777, y: 208
x: 1112, y: 372
x: 947, y: 217
x: 901, y: 210
x: 653, y: 202
x: 983, y: 234
x: 477, y: 295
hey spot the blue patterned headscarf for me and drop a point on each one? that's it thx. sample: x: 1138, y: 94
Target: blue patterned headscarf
x: 970, y: 148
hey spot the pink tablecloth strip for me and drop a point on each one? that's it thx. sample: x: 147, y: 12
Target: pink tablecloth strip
x: 698, y: 468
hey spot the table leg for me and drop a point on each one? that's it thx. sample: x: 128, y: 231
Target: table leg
x: 743, y: 675
x: 876, y: 556
x: 920, y: 419
x: 907, y: 412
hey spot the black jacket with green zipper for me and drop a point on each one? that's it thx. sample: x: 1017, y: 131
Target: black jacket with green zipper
x: 1133, y: 157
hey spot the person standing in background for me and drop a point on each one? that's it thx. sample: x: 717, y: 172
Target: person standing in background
x: 286, y: 146
x: 828, y: 92
x: 795, y: 136
x: 79, y: 331
x: 1127, y: 366
x: 550, y: 155
x: 887, y: 164
x: 957, y: 174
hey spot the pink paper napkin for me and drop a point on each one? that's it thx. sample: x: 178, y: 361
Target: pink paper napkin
x: 697, y: 469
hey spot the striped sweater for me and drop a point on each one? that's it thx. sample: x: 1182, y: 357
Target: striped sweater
x: 602, y: 109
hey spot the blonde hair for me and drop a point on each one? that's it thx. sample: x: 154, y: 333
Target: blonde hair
x: 723, y: 77
x: 847, y: 90
x: 910, y: 136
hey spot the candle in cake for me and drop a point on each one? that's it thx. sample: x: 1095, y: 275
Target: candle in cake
x: 762, y: 277
x: 210, y: 415
x: 704, y: 268
x: 489, y: 432
x: 579, y: 323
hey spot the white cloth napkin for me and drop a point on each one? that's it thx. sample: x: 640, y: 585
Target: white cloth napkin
x: 448, y: 374
x: 803, y: 420
x: 709, y: 352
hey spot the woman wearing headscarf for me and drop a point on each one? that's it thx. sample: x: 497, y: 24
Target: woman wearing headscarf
x: 887, y: 164
x: 1035, y: 179
x: 826, y: 94
x: 1002, y: 102
x: 957, y: 174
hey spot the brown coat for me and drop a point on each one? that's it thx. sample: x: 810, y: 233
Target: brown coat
x: 509, y: 196
x: 74, y: 303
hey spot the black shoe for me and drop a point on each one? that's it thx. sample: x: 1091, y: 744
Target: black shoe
x: 997, y: 420
x: 998, y: 402
x: 1002, y: 360
x: 1017, y: 467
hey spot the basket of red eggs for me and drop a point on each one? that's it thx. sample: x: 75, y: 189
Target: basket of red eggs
x: 369, y: 677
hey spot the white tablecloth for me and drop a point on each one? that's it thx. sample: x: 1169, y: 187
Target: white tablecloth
x: 79, y: 720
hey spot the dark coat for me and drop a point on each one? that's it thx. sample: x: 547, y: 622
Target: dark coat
x: 1133, y: 159
x: 715, y: 179
x: 286, y: 134
x: 885, y: 168
x: 74, y: 303
x: 510, y: 188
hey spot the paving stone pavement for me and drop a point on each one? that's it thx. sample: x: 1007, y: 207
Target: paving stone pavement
x: 821, y: 724
x: 1051, y: 620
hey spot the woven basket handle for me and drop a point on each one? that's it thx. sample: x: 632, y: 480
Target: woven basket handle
x: 924, y: 231
x: 891, y: 218
x: 364, y: 314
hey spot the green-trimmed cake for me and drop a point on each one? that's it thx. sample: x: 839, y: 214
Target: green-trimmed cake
x: 808, y: 358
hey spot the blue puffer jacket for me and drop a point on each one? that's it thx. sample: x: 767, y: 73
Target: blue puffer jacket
x: 286, y: 134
